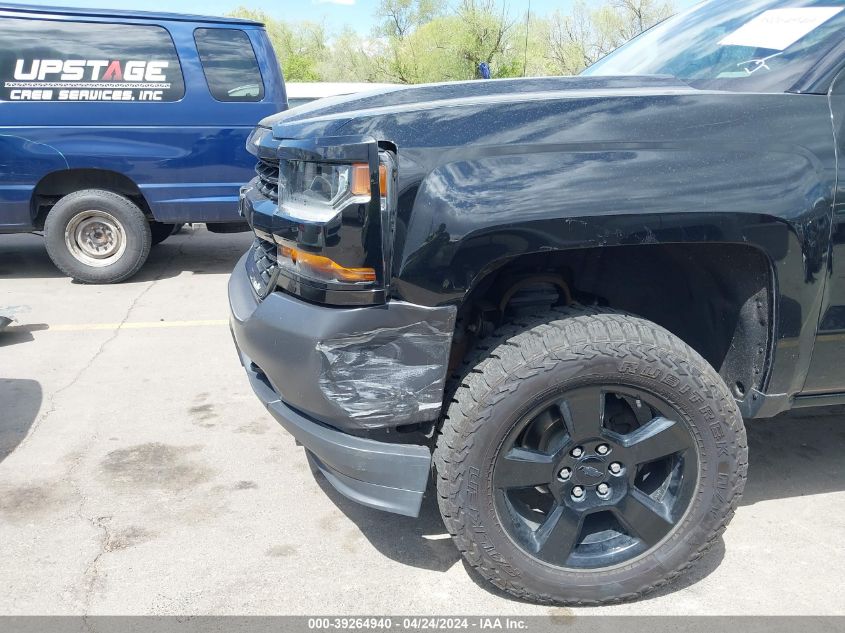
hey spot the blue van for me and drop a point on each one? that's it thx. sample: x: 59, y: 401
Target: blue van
x: 116, y: 126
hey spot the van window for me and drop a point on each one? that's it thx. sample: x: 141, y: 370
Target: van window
x: 229, y: 64
x: 44, y: 60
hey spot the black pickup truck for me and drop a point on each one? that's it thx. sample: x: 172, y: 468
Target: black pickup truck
x: 563, y: 294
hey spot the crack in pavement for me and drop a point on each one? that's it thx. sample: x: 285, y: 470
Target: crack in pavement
x: 51, y: 408
x: 91, y: 573
x: 114, y: 334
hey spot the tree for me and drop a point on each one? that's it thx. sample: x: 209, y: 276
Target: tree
x: 530, y: 44
x: 396, y: 54
x: 485, y: 37
x: 636, y: 16
x: 401, y: 17
x: 586, y: 35
x: 423, y: 45
x: 351, y: 58
x: 418, y: 41
x: 300, y: 47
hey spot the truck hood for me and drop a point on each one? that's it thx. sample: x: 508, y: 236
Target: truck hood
x: 324, y: 115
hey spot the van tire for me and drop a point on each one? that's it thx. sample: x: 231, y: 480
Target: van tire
x: 97, y: 237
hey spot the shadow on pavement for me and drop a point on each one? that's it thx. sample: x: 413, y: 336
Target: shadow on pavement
x: 20, y: 401
x: 422, y: 542
x: 791, y: 455
x: 425, y: 543
x: 796, y: 454
x: 14, y: 334
x: 193, y: 250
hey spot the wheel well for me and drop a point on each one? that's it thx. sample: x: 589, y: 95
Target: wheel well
x: 53, y: 186
x: 715, y: 297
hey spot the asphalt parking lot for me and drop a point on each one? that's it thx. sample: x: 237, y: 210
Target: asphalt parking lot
x: 139, y: 475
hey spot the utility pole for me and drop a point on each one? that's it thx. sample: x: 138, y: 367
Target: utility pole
x: 527, y: 24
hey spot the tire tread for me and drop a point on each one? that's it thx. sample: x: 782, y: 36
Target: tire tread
x: 531, y: 344
x: 136, y: 217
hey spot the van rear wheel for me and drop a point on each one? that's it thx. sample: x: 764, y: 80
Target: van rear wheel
x: 97, y: 237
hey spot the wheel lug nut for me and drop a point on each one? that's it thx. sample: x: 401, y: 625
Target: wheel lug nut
x: 577, y: 492
x: 602, y: 449
x: 603, y: 489
x: 616, y: 468
x: 577, y: 451
x: 564, y: 474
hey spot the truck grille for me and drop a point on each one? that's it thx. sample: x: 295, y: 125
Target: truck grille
x: 262, y: 268
x: 268, y: 178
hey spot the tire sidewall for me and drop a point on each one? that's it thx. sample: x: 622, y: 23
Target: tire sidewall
x: 135, y: 227
x: 706, y: 410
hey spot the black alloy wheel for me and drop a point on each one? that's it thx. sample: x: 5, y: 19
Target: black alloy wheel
x: 587, y: 457
x: 595, y: 476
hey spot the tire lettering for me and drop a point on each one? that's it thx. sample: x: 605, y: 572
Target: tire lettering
x: 669, y: 379
x: 472, y: 487
x: 716, y: 430
x: 628, y: 367
x: 475, y: 525
x: 650, y: 372
x: 707, y: 412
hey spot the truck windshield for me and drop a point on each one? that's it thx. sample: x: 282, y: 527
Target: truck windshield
x: 749, y: 46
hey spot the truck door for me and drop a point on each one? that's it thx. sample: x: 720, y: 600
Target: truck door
x: 826, y: 374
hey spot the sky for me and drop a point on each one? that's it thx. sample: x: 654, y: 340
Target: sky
x: 359, y: 14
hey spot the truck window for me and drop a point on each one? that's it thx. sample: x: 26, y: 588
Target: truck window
x: 759, y: 46
x: 44, y: 60
x: 229, y: 63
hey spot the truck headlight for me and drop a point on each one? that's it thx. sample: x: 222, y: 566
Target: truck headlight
x: 317, y: 199
x: 319, y: 191
x: 255, y: 138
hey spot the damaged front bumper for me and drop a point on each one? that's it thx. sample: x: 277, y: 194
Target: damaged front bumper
x: 330, y: 375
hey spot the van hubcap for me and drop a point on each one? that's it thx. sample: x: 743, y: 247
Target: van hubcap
x: 95, y: 238
x: 595, y: 476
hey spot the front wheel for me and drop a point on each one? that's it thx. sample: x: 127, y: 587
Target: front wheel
x: 588, y: 457
x: 97, y: 237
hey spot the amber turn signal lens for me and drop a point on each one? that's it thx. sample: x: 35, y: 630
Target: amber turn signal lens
x: 361, y: 180
x: 325, y: 268
x: 382, y: 180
